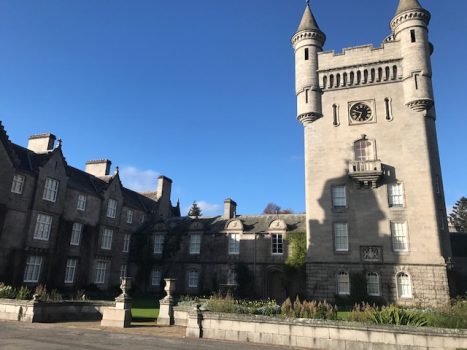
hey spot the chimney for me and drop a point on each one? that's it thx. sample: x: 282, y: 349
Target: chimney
x: 164, y: 188
x: 230, y: 209
x: 42, y: 143
x: 99, y: 167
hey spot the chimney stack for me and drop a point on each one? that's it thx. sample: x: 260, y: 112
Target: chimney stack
x: 99, y: 167
x: 42, y: 143
x: 230, y: 209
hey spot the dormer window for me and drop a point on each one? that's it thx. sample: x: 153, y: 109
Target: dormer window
x: 50, y: 190
x: 18, y: 184
x: 112, y: 208
x: 277, y: 243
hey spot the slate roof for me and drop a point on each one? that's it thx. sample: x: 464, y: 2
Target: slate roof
x: 251, y: 223
x: 406, y: 5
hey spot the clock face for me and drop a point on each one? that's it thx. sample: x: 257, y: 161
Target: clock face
x: 361, y: 112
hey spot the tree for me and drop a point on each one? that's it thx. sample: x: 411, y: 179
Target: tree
x: 273, y: 208
x: 458, y: 216
x: 195, y: 210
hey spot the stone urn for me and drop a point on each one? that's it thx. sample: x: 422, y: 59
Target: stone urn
x: 125, y: 286
x: 169, y: 288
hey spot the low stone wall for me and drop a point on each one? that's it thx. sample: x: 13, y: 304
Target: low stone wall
x: 181, y: 315
x: 30, y: 311
x: 314, y: 334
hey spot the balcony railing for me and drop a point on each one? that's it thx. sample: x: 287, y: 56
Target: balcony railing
x: 366, y: 173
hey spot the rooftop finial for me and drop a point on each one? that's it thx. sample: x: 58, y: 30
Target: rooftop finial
x: 308, y: 2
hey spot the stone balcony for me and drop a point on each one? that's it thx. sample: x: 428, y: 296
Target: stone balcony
x: 366, y: 173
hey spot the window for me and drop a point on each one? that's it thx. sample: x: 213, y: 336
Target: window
x: 341, y: 237
x: 335, y: 113
x: 112, y: 208
x: 70, y: 270
x: 18, y: 184
x: 43, y: 226
x: 195, y: 243
x: 437, y: 185
x: 50, y: 190
x: 193, y: 277
x: 81, y: 206
x: 123, y: 271
x: 412, y: 35
x: 339, y: 196
x: 101, y: 267
x: 404, y: 286
x: 106, y: 242
x: 343, y: 283
x: 387, y: 104
x: 396, y: 195
x: 364, y: 150
x: 156, y: 277
x: 277, y: 243
x: 234, y: 243
x: 372, y: 284
x: 33, y: 269
x: 399, y: 236
x: 307, y: 54
x: 126, y: 243
x: 158, y: 244
x: 76, y: 233
x: 129, y: 216
x: 416, y: 77
x: 232, y: 278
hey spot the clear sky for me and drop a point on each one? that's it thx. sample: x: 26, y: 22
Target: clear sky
x: 200, y: 91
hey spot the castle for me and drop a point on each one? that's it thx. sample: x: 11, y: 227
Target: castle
x: 374, y: 194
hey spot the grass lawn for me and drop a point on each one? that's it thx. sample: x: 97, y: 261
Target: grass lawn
x: 145, y: 309
x: 343, y: 315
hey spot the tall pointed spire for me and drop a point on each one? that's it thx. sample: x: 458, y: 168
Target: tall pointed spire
x: 308, y: 20
x: 406, y: 5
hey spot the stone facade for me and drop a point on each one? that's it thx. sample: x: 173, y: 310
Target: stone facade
x: 373, y: 176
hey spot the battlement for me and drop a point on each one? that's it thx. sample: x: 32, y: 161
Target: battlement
x: 359, y: 55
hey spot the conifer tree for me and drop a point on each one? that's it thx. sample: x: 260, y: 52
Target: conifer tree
x: 195, y: 210
x: 458, y: 216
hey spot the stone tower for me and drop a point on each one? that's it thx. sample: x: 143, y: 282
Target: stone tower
x: 374, y: 195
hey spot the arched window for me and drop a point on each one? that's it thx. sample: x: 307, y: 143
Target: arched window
x: 335, y: 114
x: 380, y: 74
x: 352, y: 77
x: 338, y: 80
x: 372, y: 284
x: 364, y: 150
x: 404, y: 286
x: 365, y: 76
x: 359, y: 77
x: 344, y: 83
x: 387, y: 73
x: 331, y: 81
x: 325, y: 82
x: 387, y: 105
x: 394, y: 72
x: 343, y: 283
x: 373, y: 74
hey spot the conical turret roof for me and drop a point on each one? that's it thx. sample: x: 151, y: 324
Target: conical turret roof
x: 308, y: 21
x: 406, y: 5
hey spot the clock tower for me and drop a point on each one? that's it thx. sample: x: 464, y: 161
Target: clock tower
x: 374, y: 196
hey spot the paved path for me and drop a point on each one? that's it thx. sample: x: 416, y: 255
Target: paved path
x: 83, y: 336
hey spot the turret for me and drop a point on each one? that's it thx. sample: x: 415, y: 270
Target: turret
x: 410, y: 28
x: 307, y: 42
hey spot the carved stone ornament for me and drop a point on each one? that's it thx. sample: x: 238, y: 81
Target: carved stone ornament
x: 371, y: 253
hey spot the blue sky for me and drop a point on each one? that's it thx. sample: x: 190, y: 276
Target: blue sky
x: 200, y: 91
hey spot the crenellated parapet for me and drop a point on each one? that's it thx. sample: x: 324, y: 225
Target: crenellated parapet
x: 413, y: 14
x: 309, y: 35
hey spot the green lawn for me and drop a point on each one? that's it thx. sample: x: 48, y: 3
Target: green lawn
x: 145, y: 309
x: 343, y: 315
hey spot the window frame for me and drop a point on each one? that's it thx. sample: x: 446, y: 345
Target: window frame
x: 18, y: 181
x: 70, y: 269
x: 123, y: 270
x: 100, y: 271
x: 395, y: 242
x: 75, y: 233
x: 277, y: 243
x: 106, y: 239
x: 337, y: 238
x: 335, y: 199
x: 400, y: 294
x: 191, y: 275
x: 375, y: 283
x: 156, y: 272
x: 51, y: 187
x: 126, y: 243
x: 43, y: 229
x: 129, y: 216
x: 340, y: 282
x: 112, y: 206
x: 195, y: 246
x: 391, y: 195
x: 234, y: 243
x: 158, y: 242
x: 81, y: 203
x: 32, y: 269
x: 365, y: 154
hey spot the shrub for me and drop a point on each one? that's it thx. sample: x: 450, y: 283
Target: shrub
x: 228, y: 304
x: 7, y: 292
x: 451, y: 316
x: 309, y: 309
x: 390, y: 315
x: 24, y: 293
x: 43, y: 295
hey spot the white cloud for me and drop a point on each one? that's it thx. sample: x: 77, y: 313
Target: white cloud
x: 207, y: 209
x: 139, y: 180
